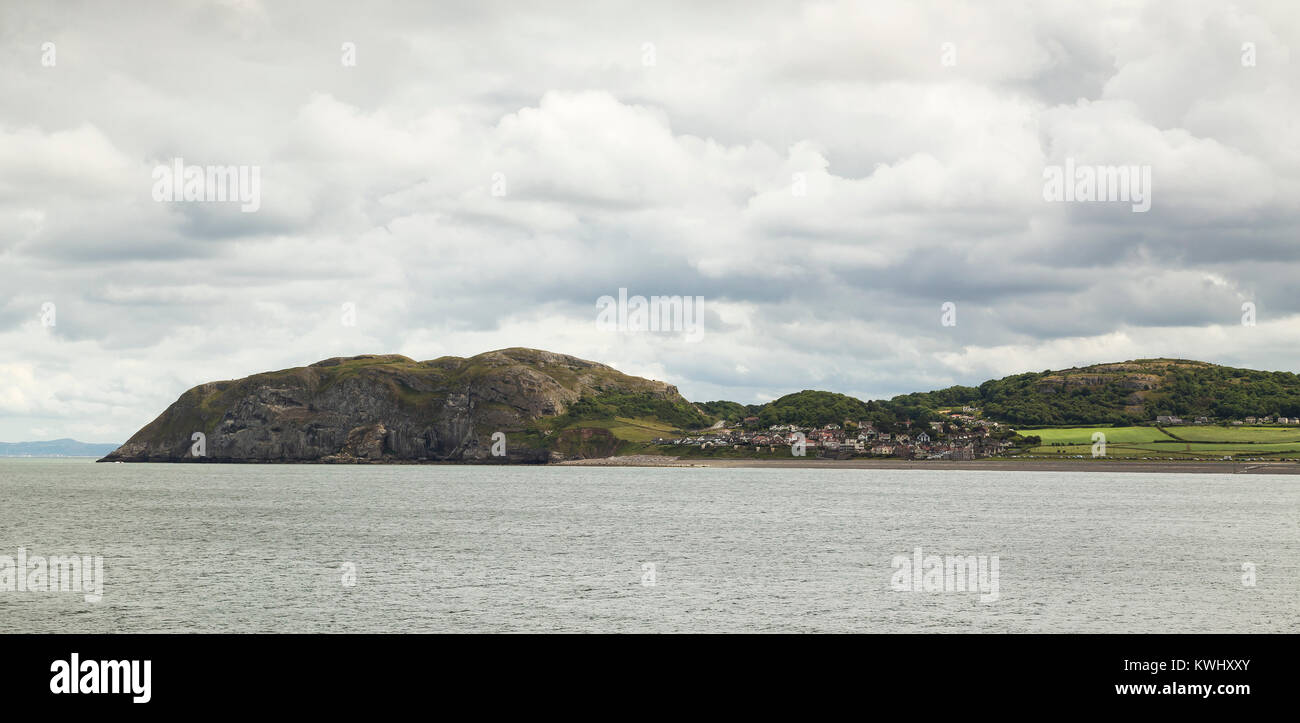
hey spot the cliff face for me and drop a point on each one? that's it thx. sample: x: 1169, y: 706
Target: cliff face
x: 383, y: 408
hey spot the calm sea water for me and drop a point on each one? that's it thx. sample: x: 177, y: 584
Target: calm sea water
x: 244, y: 548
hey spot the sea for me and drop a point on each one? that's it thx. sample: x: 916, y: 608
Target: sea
x: 461, y: 549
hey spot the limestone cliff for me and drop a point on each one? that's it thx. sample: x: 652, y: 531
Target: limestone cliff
x: 392, y: 409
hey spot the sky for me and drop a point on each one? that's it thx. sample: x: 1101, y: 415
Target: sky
x: 856, y: 192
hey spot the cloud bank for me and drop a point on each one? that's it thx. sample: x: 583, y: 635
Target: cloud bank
x: 825, y: 175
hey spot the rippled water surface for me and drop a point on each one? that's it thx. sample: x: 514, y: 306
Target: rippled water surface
x: 252, y: 548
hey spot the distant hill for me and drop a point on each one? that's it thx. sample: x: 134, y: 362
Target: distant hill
x: 1117, y: 393
x: 55, y: 448
x: 815, y: 408
x: 389, y: 408
x: 1125, y: 393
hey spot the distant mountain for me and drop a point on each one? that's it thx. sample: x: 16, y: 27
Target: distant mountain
x: 55, y: 448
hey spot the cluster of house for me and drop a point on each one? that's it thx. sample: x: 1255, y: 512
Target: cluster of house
x: 961, y: 437
x: 1169, y: 419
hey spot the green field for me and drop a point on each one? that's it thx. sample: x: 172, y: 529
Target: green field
x: 1192, y: 442
x: 634, y: 430
x: 1210, y: 433
x: 1083, y: 435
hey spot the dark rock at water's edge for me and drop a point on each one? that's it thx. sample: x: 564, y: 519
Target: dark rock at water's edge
x: 392, y: 409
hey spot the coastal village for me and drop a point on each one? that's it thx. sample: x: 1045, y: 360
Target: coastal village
x: 959, y: 436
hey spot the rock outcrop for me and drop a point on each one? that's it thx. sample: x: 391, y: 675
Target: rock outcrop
x: 374, y: 408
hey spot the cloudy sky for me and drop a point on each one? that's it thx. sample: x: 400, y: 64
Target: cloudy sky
x: 472, y: 176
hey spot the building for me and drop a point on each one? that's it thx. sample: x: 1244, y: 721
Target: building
x: 961, y: 454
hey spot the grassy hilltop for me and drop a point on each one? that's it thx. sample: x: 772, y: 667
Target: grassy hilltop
x: 1131, y: 392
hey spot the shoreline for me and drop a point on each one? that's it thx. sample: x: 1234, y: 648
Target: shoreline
x: 647, y: 460
x: 993, y: 465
